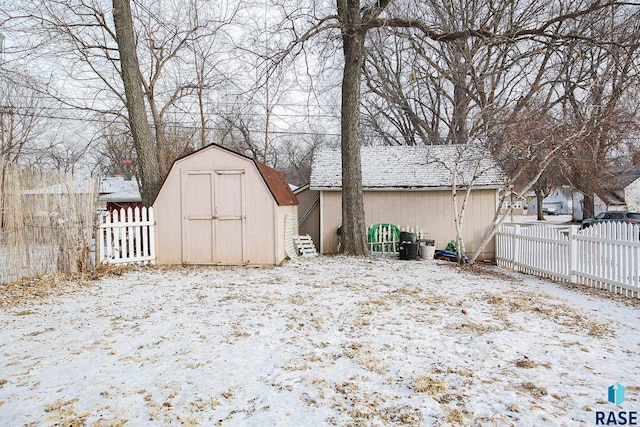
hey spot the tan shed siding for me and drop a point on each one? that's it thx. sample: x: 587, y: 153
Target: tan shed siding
x: 331, y: 220
x: 430, y: 210
x: 169, y: 221
x: 260, y: 207
x: 260, y: 222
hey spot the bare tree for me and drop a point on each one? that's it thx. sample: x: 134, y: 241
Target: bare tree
x: 355, y: 20
x: 115, y: 152
x: 21, y: 123
x: 165, y: 45
x: 236, y: 131
x: 83, y: 39
x: 601, y: 87
x: 146, y: 150
x: 483, y: 88
x: 298, y: 155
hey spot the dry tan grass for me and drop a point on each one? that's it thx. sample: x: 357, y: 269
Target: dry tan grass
x: 477, y: 328
x: 535, y: 390
x: 597, y: 330
x: 454, y: 417
x: 367, y: 408
x: 525, y: 363
x: 63, y: 413
x: 426, y: 384
x: 53, y: 284
x: 47, y: 285
x: 487, y: 271
x: 522, y: 301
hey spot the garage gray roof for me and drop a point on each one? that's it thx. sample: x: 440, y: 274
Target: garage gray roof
x: 411, y: 167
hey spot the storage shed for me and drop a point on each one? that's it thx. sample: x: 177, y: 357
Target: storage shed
x: 411, y: 187
x: 218, y: 207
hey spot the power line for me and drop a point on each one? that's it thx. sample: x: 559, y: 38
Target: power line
x: 180, y: 125
x: 206, y: 101
x: 24, y: 110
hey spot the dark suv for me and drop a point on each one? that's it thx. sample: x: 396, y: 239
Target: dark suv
x: 628, y: 217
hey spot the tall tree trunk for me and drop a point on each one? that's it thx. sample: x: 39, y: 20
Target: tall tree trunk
x: 588, y: 205
x: 459, y: 129
x: 148, y: 163
x: 353, y: 226
x: 164, y: 162
x: 539, y: 198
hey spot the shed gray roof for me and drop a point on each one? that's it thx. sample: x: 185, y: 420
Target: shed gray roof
x: 411, y: 167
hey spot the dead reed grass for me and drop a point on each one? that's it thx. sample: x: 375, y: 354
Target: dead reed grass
x: 47, y: 221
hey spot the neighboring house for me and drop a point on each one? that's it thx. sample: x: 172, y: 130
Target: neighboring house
x: 119, y: 192
x: 619, y: 191
x: 85, y: 187
x: 559, y: 201
x: 607, y: 202
x: 410, y: 186
x: 632, y: 195
x: 518, y: 203
x: 621, y: 188
x: 222, y: 208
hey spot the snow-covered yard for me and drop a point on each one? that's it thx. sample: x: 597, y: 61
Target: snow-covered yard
x: 324, y: 341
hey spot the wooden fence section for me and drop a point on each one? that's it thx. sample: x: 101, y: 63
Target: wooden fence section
x: 605, y: 255
x: 127, y: 237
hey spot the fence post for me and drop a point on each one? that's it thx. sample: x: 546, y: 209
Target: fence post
x: 516, y: 248
x: 99, y: 242
x: 152, y: 234
x: 573, y: 254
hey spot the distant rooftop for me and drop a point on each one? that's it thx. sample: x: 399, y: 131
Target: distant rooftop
x: 119, y: 189
x: 76, y: 186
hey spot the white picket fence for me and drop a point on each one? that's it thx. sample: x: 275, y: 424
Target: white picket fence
x: 605, y: 255
x: 127, y: 237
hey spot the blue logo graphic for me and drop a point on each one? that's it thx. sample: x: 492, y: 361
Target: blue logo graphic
x: 616, y: 394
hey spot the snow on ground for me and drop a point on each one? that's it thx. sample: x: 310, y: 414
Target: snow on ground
x: 552, y: 220
x: 324, y: 341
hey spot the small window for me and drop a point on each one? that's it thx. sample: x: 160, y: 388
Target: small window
x: 633, y: 216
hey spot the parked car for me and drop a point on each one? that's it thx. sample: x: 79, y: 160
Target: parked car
x: 550, y: 210
x: 627, y: 217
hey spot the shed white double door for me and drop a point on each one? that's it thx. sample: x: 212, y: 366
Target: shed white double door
x: 214, y: 217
